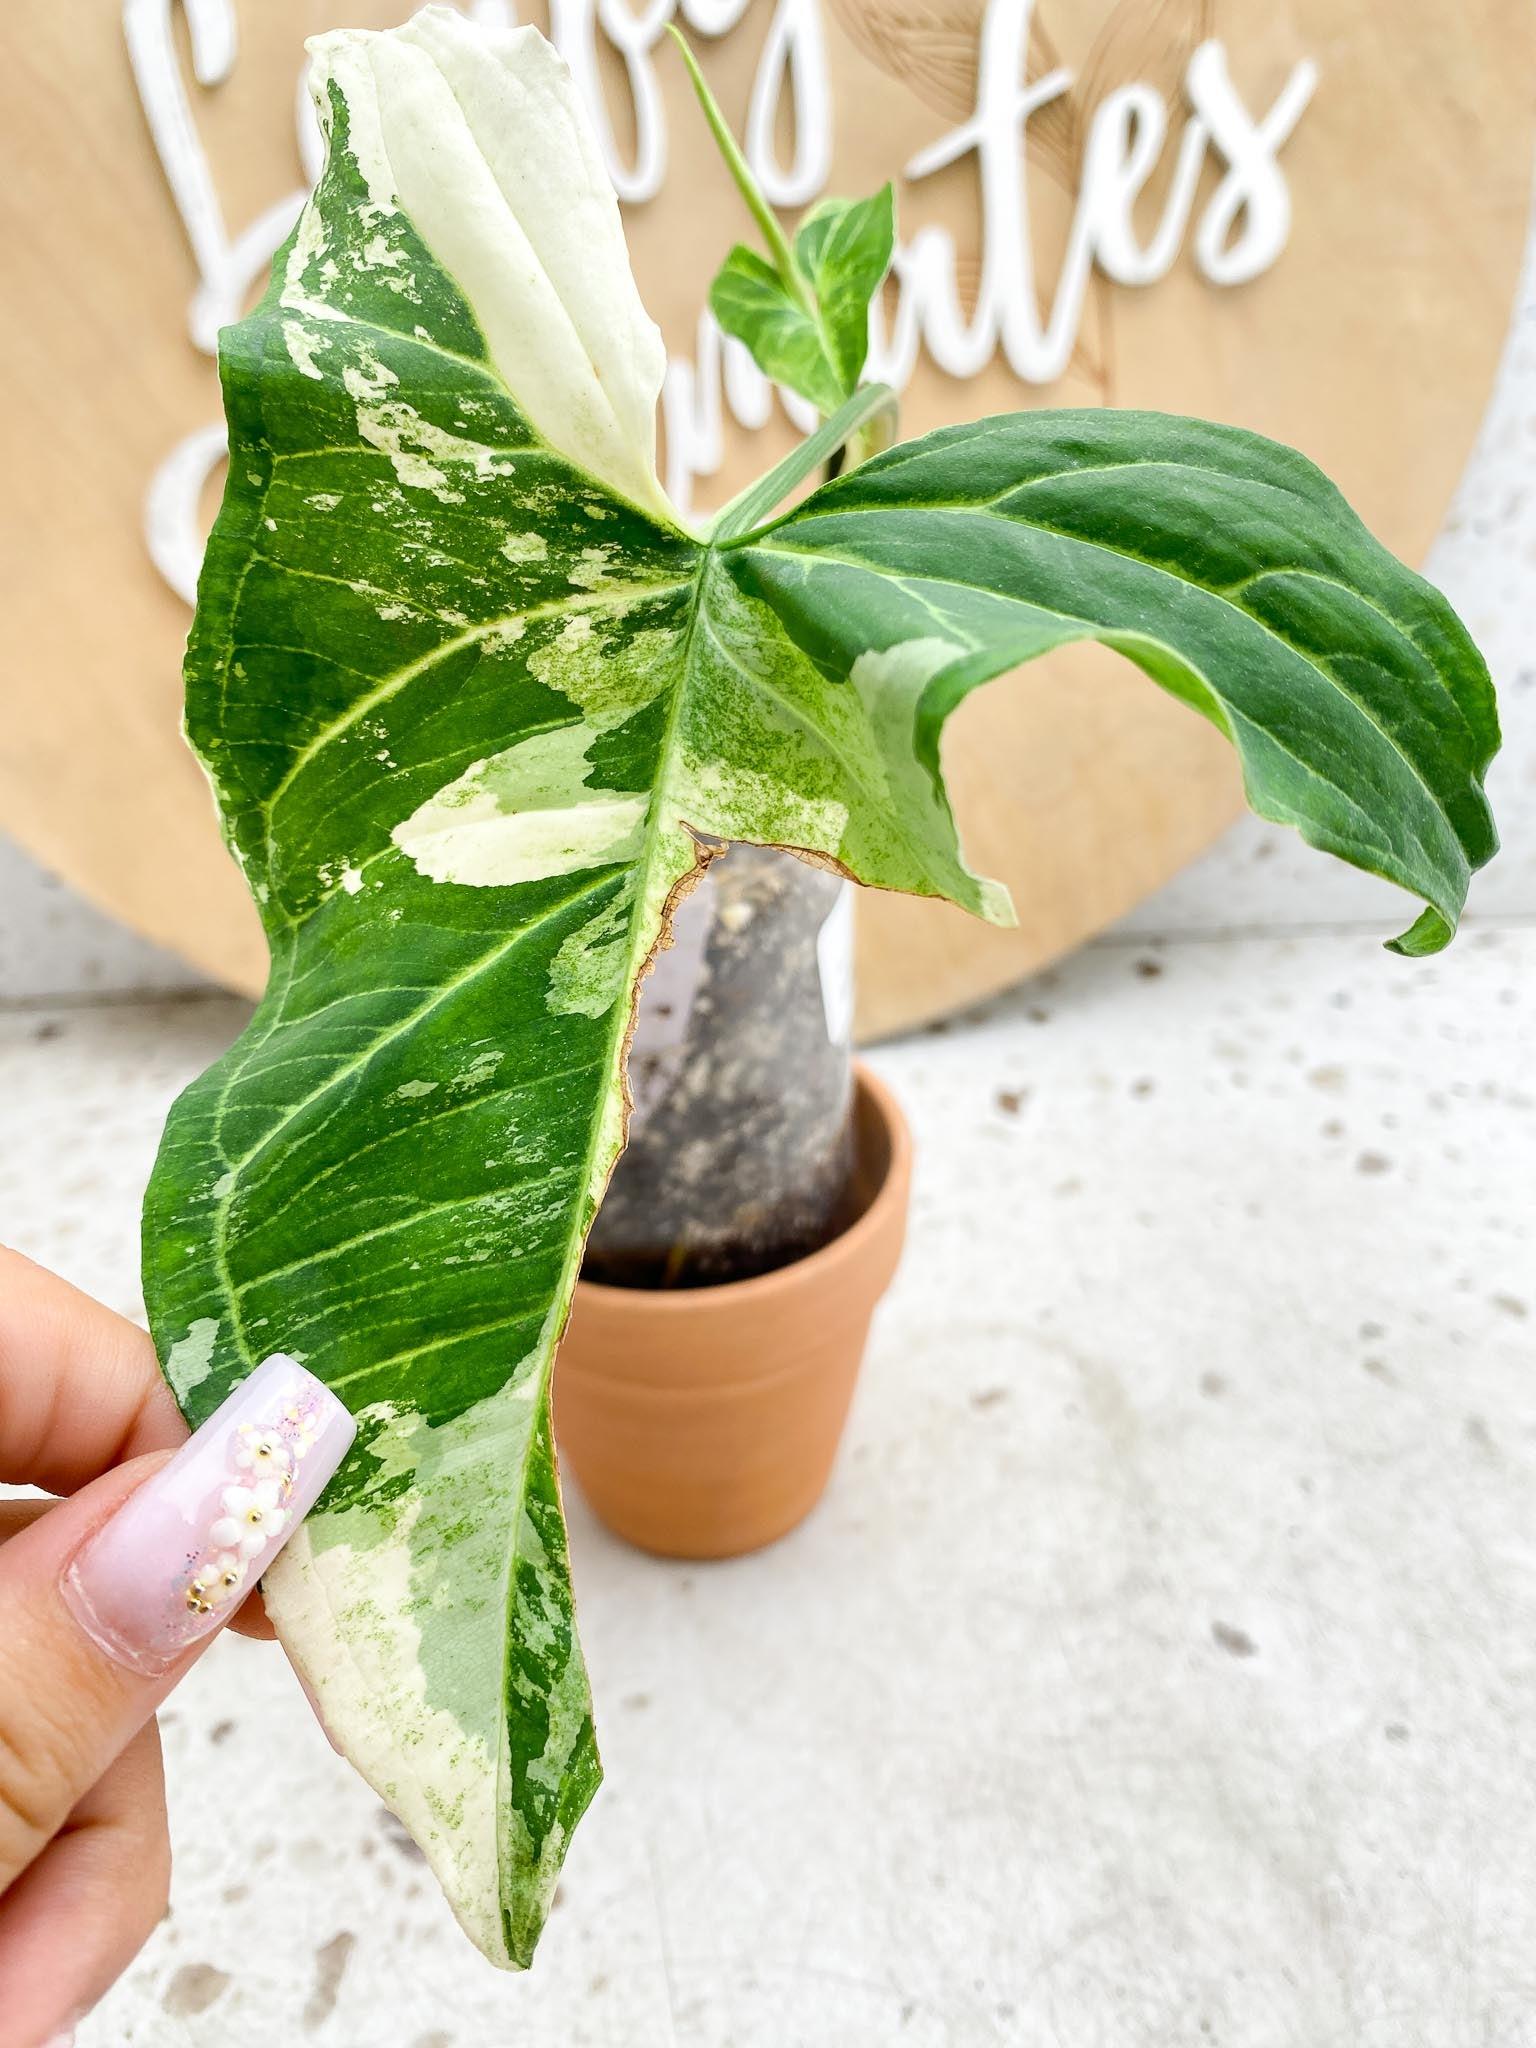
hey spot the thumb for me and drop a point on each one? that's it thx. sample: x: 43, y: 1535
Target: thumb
x: 107, y: 1599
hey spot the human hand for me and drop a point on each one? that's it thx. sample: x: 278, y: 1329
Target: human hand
x: 106, y: 1600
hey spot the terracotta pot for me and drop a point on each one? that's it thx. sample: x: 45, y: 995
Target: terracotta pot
x: 704, y: 1421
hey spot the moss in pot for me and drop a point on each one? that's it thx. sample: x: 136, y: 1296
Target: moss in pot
x: 740, y: 1149
x: 477, y: 703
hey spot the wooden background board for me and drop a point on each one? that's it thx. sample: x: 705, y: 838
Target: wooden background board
x: 1371, y: 343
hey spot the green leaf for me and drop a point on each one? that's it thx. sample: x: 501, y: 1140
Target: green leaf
x: 802, y: 311
x: 1226, y: 567
x: 814, y: 337
x: 843, y: 249
x: 476, y: 708
x: 749, y: 301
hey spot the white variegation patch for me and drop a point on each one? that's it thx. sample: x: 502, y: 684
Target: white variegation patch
x: 384, y: 1613
x: 346, y: 1619
x: 906, y: 666
x: 303, y: 348
x: 190, y: 1359
x: 521, y: 816
x: 478, y: 137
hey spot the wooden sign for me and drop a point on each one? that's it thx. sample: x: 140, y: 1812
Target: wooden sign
x: 1306, y: 216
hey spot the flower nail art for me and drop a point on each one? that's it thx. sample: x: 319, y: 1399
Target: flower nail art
x: 183, y: 1551
x: 254, y: 1515
x: 264, y: 1453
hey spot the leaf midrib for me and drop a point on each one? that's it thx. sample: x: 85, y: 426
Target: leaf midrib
x: 623, y: 1015
x: 987, y: 508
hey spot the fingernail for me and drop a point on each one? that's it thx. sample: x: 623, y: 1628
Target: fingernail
x: 181, y: 1553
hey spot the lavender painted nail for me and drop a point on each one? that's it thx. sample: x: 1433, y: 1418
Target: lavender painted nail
x: 180, y: 1554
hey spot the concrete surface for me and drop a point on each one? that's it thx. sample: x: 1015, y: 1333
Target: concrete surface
x: 1159, y: 1668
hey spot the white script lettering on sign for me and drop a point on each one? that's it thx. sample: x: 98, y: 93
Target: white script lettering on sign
x: 1240, y: 231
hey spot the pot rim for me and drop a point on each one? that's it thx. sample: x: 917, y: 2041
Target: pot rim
x: 663, y: 1301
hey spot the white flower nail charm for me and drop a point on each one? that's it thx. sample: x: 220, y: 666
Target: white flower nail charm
x: 253, y: 1516
x: 263, y: 1453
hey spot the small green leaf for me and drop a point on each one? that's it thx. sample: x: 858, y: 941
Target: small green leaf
x: 749, y: 301
x: 843, y: 249
x: 802, y: 311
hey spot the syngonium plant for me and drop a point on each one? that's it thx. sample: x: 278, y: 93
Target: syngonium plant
x: 478, y: 703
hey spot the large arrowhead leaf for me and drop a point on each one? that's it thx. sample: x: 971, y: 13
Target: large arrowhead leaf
x: 1226, y: 567
x: 471, y: 698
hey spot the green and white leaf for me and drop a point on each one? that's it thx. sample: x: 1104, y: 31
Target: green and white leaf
x: 476, y: 707
x: 811, y: 331
x: 803, y: 310
x: 750, y: 301
x: 843, y: 248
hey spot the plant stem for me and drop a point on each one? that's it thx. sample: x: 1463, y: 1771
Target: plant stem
x: 873, y: 437
x: 868, y: 406
x: 880, y: 431
x: 746, y: 184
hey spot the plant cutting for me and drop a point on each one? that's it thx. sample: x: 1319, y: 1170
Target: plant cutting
x: 705, y: 1423
x: 479, y: 706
